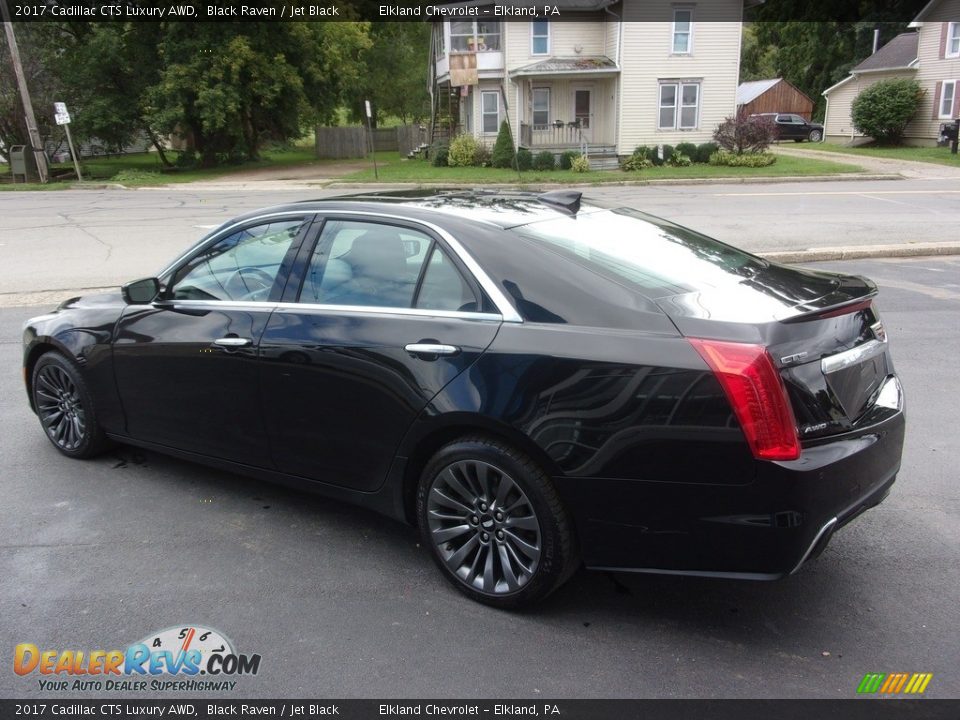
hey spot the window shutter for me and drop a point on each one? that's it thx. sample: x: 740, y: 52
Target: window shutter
x: 936, y: 99
x: 944, y: 28
x: 956, y: 100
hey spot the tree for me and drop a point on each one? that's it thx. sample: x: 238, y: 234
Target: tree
x: 883, y: 110
x: 42, y: 84
x: 394, y: 76
x: 503, y: 156
x: 745, y: 133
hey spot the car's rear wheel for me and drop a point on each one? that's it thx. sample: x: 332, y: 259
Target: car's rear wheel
x: 65, y: 407
x: 494, y: 523
x: 815, y: 136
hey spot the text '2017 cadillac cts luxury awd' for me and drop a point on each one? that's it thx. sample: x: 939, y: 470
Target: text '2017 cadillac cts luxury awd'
x: 536, y: 381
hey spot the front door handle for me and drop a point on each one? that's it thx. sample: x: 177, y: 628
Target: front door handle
x: 233, y: 342
x: 431, y: 349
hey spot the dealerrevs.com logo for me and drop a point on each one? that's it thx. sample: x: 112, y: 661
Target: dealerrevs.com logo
x: 186, y: 658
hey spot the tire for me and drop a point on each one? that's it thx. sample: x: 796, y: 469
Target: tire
x: 494, y: 523
x: 815, y: 136
x: 65, y: 408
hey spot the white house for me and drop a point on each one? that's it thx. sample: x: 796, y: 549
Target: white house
x: 929, y: 54
x: 622, y: 74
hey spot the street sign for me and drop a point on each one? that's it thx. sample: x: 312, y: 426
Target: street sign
x: 367, y: 105
x: 60, y: 113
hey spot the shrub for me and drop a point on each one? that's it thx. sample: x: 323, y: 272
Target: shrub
x: 883, y: 110
x: 463, y: 149
x: 688, y: 149
x: 566, y: 159
x: 439, y: 154
x: 678, y: 159
x: 482, y: 157
x: 746, y: 133
x: 722, y: 157
x: 544, y: 161
x: 503, y: 149
x: 580, y: 164
x: 186, y: 159
x: 704, y: 151
x: 635, y: 162
x: 524, y: 159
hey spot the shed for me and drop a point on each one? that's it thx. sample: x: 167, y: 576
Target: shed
x: 773, y: 96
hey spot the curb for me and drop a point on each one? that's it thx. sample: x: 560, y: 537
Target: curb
x: 865, y: 251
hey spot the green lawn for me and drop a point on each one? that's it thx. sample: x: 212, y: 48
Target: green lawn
x: 940, y: 156
x: 413, y: 171
x: 146, y: 169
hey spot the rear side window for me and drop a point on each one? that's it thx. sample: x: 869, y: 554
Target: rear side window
x: 372, y: 264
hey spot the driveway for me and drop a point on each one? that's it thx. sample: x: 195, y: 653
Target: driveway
x: 906, y: 168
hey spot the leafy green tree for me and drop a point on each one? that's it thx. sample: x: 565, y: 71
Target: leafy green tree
x: 36, y: 58
x: 883, y: 110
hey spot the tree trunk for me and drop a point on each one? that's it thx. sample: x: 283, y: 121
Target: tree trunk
x: 159, y: 146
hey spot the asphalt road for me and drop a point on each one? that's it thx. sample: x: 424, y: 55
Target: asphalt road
x: 88, y: 238
x: 340, y: 602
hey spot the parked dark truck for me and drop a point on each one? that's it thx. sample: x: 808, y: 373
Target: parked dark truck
x: 537, y: 381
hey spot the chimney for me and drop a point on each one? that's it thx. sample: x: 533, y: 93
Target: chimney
x: 876, y: 39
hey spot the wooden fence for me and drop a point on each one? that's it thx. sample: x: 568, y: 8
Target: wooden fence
x: 354, y: 142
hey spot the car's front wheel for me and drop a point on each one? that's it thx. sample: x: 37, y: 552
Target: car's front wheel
x: 65, y: 407
x: 494, y: 523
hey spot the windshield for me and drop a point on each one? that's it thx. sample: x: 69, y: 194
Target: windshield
x: 653, y: 255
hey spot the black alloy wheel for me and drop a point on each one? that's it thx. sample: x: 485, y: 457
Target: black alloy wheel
x: 65, y: 407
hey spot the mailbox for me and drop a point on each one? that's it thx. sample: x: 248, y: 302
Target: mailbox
x: 23, y: 164
x: 949, y: 133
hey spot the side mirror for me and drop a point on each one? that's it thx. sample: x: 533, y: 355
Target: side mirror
x: 141, y: 292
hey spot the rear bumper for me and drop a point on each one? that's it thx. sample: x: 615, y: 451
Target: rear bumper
x: 765, y: 529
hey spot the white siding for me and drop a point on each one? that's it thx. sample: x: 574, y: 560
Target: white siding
x: 647, y: 59
x: 838, y: 125
x: 933, y: 69
x: 565, y: 39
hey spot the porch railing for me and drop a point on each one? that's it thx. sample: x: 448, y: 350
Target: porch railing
x: 555, y: 134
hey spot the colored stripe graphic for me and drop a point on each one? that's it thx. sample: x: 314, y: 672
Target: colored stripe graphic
x: 895, y: 683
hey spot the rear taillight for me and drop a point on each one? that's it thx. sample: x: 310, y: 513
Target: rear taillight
x: 757, y: 395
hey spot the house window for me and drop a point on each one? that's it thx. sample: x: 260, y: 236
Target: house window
x: 540, y: 37
x: 679, y: 106
x: 682, y: 31
x: 953, y: 40
x: 541, y: 107
x: 490, y: 111
x: 947, y: 92
x: 440, y: 48
x: 474, y: 36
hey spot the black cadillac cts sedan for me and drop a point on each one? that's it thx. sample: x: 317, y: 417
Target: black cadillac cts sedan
x: 536, y: 381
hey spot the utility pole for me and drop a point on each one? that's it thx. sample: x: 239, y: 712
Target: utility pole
x: 35, y: 141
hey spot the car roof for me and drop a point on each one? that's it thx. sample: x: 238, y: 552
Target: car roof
x: 500, y: 208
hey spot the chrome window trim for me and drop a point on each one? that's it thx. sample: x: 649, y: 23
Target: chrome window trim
x: 506, y: 308
x: 854, y: 355
x: 508, y: 312
x: 269, y: 306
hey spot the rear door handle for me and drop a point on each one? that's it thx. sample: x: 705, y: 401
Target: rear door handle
x: 233, y: 342
x: 431, y: 349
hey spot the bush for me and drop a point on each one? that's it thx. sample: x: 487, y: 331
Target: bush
x: 186, y: 159
x: 635, y: 162
x: 722, y: 157
x: 482, y: 157
x: 746, y: 133
x: 688, y: 149
x: 580, y: 164
x: 704, y: 151
x: 566, y: 159
x: 134, y: 176
x: 655, y: 156
x: 463, y: 149
x: 544, y: 161
x: 503, y: 149
x: 439, y: 154
x: 883, y: 110
x: 678, y: 159
x: 524, y: 159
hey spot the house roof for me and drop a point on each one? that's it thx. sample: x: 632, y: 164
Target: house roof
x: 923, y: 13
x: 749, y: 91
x: 566, y: 65
x: 896, y: 54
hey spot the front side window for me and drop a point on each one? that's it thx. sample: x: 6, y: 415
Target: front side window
x: 242, y: 266
x: 540, y: 37
x: 541, y: 107
x: 679, y: 105
x: 682, y: 31
x: 953, y: 40
x: 490, y: 109
x: 947, y: 92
